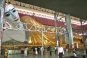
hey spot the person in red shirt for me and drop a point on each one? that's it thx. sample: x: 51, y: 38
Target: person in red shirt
x: 67, y: 47
x: 22, y: 50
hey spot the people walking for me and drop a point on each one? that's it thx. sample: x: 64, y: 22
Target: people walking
x: 55, y: 49
x: 74, y: 54
x: 22, y: 50
x: 50, y: 49
x: 25, y: 51
x: 42, y: 50
x: 60, y: 51
x: 86, y: 49
x: 36, y: 51
x: 67, y: 47
x: 33, y: 49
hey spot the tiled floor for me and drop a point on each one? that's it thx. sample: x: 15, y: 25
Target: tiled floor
x: 39, y: 56
x: 46, y: 55
x: 31, y: 56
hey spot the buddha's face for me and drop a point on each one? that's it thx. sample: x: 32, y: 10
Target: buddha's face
x: 11, y: 15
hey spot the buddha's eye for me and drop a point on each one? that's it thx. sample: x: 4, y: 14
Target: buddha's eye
x: 13, y: 10
x: 7, y: 14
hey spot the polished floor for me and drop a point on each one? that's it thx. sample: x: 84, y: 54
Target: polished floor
x: 40, y: 56
x: 36, y: 56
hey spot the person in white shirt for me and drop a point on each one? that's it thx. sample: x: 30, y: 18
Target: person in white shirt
x: 74, y: 54
x: 42, y: 50
x: 60, y: 51
x: 36, y: 52
x: 25, y: 51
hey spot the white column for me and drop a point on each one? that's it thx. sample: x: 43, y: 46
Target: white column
x: 2, y: 3
x: 69, y: 30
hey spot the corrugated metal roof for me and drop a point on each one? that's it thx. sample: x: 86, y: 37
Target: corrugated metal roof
x: 77, y: 8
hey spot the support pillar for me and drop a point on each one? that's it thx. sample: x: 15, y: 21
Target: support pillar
x: 82, y: 31
x: 69, y: 30
x: 2, y: 3
x: 56, y: 33
x: 42, y: 48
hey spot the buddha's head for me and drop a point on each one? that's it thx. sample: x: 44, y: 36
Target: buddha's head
x: 12, y: 17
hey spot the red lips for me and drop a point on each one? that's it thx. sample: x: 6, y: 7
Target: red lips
x: 16, y: 19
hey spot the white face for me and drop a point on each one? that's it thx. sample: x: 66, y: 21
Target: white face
x: 11, y: 15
